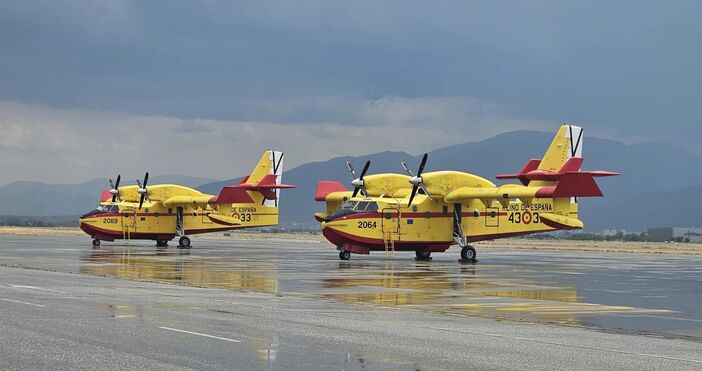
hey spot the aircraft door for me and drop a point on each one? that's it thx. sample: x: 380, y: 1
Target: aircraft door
x: 390, y: 224
x: 129, y: 221
x: 492, y: 217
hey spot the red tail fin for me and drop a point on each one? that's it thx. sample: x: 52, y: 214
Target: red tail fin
x: 325, y: 187
x: 106, y: 195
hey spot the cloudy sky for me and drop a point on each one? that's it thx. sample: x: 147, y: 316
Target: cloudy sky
x: 91, y: 88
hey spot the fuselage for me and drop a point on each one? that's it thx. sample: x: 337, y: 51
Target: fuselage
x: 156, y: 221
x: 380, y: 223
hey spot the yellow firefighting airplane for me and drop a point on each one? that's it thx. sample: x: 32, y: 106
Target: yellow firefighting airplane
x: 173, y: 210
x: 428, y: 212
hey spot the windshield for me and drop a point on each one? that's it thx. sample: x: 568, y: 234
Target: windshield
x: 349, y: 204
x: 101, y: 209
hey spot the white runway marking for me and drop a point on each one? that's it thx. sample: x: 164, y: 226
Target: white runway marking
x: 36, y: 288
x: 23, y: 302
x: 199, y: 334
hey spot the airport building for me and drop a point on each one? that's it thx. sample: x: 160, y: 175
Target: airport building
x: 693, y: 235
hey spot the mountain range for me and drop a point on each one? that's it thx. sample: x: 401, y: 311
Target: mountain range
x: 659, y: 185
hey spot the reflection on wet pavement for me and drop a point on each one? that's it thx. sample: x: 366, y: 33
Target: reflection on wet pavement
x: 627, y: 292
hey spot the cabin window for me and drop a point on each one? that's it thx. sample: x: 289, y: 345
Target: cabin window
x: 415, y: 208
x: 194, y: 213
x: 146, y: 210
x: 476, y: 213
x: 157, y: 214
x: 143, y: 219
x: 427, y: 214
x: 170, y: 210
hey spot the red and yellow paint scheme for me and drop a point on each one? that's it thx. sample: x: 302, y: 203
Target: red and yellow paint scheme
x: 429, y: 212
x: 162, y: 212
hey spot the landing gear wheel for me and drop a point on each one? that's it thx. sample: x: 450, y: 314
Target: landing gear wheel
x: 161, y: 243
x: 468, y: 254
x: 344, y: 255
x: 423, y: 255
x: 96, y: 243
x: 184, y: 242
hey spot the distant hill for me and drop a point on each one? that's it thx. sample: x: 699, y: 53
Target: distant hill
x: 646, y: 167
x: 679, y: 208
x: 659, y: 186
x: 40, y: 199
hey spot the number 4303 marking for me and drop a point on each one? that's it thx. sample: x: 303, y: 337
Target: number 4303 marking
x: 525, y: 217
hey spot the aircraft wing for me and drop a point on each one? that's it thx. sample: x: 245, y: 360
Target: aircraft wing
x: 187, y: 200
x: 504, y: 192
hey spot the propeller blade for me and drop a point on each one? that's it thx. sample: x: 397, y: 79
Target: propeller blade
x: 146, y: 177
x: 112, y: 184
x: 119, y: 177
x: 141, y: 200
x: 421, y: 165
x: 365, y: 169
x: 351, y: 169
x: 424, y: 189
x: 364, y: 192
x: 407, y: 169
x: 355, y: 191
x: 138, y: 183
x: 414, y: 192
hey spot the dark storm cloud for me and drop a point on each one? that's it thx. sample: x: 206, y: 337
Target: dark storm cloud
x: 626, y: 68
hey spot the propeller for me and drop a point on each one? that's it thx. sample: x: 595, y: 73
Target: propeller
x: 358, y: 182
x: 114, y: 188
x: 416, y: 180
x: 142, y: 190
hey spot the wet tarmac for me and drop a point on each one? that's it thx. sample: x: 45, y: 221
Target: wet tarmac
x: 623, y: 292
x: 644, y: 294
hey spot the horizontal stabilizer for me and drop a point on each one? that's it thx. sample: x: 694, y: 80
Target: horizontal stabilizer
x: 238, y: 194
x: 532, y: 165
x: 325, y: 187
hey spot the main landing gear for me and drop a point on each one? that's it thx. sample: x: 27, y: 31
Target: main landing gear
x: 344, y: 255
x: 184, y: 242
x: 96, y: 243
x: 468, y: 254
x: 422, y: 255
x: 161, y: 243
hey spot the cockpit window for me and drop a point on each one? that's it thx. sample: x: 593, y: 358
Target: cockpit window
x: 362, y: 205
x: 372, y: 206
x: 108, y: 208
x: 349, y: 205
x: 101, y: 209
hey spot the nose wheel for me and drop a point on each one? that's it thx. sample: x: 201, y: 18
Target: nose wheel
x: 96, y: 243
x: 468, y: 254
x: 184, y: 242
x: 344, y: 255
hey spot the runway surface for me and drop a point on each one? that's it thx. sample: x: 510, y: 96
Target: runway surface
x: 275, y: 304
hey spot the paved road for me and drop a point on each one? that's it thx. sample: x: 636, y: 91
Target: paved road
x: 292, y: 305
